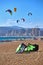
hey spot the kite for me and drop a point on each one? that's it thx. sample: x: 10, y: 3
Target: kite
x: 17, y: 21
x: 15, y: 9
x: 9, y: 11
x: 29, y: 14
x: 21, y: 48
x: 23, y: 19
x: 27, y: 48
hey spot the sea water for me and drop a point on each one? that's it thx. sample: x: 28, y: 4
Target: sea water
x: 4, y: 38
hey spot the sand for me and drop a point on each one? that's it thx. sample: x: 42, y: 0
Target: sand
x: 9, y: 57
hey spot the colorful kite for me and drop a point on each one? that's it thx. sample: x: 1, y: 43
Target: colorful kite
x: 9, y: 11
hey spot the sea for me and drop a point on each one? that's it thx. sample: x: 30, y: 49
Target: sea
x: 11, y: 38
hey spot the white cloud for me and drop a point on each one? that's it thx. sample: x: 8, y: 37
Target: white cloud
x: 30, y: 23
x: 12, y: 22
x: 9, y: 22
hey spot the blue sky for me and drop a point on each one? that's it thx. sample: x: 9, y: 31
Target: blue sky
x: 23, y: 8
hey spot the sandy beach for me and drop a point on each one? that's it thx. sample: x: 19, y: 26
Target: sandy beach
x: 9, y: 57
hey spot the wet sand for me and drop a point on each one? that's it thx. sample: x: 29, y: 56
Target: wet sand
x: 9, y: 57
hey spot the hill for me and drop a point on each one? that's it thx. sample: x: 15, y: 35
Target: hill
x: 19, y: 31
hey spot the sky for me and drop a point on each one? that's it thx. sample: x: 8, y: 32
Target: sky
x: 23, y: 8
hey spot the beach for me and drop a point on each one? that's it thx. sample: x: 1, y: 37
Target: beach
x: 8, y: 55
